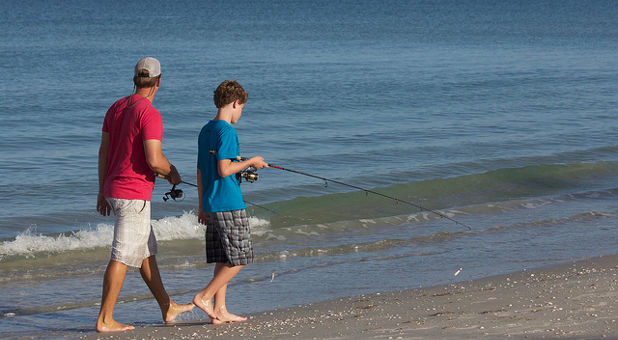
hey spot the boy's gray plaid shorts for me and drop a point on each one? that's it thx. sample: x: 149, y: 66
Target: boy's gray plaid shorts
x: 228, y: 238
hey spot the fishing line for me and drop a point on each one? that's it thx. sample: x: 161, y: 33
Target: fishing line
x: 372, y: 192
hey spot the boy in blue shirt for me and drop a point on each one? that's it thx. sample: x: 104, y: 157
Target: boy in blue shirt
x: 221, y: 205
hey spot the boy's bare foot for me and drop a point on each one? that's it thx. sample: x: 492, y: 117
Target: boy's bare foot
x: 112, y: 326
x: 223, y: 316
x: 174, y: 310
x: 206, y: 306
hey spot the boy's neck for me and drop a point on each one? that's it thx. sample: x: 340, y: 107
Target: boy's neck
x: 230, y: 113
x: 223, y: 114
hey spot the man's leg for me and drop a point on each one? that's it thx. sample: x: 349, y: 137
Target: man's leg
x: 112, y: 284
x: 169, y: 309
x: 222, y: 275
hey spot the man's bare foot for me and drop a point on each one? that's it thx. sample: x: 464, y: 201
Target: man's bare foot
x: 223, y: 316
x: 206, y: 306
x: 174, y: 310
x: 112, y: 326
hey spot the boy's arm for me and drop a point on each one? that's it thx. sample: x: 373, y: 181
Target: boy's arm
x: 201, y: 215
x: 102, y: 205
x: 226, y: 167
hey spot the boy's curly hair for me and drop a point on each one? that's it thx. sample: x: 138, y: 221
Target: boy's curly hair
x: 229, y: 91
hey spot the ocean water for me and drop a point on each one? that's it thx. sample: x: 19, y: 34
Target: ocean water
x: 500, y: 115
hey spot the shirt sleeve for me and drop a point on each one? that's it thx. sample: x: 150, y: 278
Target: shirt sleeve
x: 106, y: 127
x: 228, y: 148
x: 152, y: 125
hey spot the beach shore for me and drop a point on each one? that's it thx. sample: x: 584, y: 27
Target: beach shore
x: 568, y: 301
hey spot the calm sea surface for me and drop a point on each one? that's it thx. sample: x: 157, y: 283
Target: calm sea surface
x: 499, y: 115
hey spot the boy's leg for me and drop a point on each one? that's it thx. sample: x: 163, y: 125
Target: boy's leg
x: 222, y: 275
x: 112, y: 284
x: 220, y: 310
x: 169, y: 309
x: 227, y: 242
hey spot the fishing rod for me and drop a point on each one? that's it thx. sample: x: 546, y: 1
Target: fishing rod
x: 187, y: 183
x: 175, y: 193
x: 371, y: 191
x: 178, y: 193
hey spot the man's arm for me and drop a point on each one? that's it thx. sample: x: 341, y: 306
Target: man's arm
x: 102, y: 205
x: 226, y: 167
x: 158, y: 162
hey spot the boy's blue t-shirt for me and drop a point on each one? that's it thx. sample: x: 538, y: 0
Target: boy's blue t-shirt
x: 219, y: 193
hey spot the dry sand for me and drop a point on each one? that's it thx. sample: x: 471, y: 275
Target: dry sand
x: 572, y: 301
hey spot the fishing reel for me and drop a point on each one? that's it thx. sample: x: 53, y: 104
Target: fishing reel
x: 248, y: 174
x: 173, y: 194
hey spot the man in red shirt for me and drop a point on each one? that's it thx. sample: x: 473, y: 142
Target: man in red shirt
x: 129, y: 156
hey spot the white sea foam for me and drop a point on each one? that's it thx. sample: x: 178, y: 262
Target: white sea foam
x: 180, y: 227
x: 28, y: 242
x: 259, y: 226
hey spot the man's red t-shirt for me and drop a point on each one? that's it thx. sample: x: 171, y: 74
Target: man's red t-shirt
x: 128, y: 175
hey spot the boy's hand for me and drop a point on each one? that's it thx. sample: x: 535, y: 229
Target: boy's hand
x: 201, y: 217
x: 258, y: 162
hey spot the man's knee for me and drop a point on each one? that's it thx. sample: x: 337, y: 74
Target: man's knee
x: 116, y: 264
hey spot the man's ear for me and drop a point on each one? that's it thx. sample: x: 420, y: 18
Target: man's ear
x: 159, y: 82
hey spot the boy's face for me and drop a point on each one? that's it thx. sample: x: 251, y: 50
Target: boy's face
x: 237, y: 112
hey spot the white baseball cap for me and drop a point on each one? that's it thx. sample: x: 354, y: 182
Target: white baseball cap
x: 149, y: 64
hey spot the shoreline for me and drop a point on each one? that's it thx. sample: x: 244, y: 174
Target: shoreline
x: 567, y: 301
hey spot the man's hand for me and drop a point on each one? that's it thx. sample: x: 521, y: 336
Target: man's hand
x: 173, y: 177
x: 102, y: 206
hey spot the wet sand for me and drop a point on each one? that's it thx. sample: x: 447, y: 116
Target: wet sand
x: 569, y: 301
